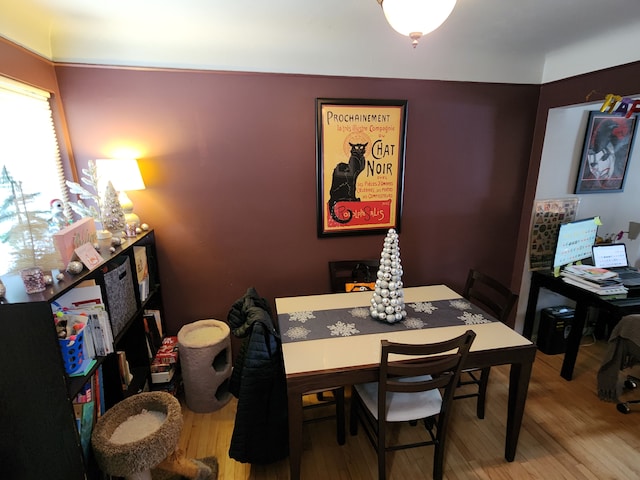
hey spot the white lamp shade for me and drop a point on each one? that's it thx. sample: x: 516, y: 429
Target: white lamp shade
x: 123, y: 173
x: 415, y: 18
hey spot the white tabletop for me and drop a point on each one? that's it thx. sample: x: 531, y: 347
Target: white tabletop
x: 359, y: 350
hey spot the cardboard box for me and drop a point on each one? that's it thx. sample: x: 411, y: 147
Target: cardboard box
x: 71, y: 237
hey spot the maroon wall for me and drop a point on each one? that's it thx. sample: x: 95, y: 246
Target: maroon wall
x: 229, y: 161
x: 20, y: 64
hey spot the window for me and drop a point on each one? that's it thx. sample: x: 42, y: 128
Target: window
x: 29, y: 152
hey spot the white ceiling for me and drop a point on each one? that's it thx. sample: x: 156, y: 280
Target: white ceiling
x: 514, y: 41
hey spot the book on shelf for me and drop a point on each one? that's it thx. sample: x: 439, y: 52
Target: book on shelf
x: 144, y: 288
x: 163, y: 376
x: 101, y: 332
x: 168, y: 351
x: 88, y: 406
x: 172, y: 386
x: 100, y: 388
x: 126, y: 377
x: 142, y: 271
x: 84, y: 419
x: 158, y: 319
x: 153, y: 335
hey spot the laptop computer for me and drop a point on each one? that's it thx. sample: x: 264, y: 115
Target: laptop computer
x: 613, y: 256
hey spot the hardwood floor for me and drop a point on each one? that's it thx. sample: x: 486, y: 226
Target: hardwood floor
x: 567, y: 433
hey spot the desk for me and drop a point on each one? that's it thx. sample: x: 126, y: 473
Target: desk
x: 331, y: 361
x: 584, y: 299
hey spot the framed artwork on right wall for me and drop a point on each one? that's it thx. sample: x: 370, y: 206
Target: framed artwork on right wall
x: 606, y: 152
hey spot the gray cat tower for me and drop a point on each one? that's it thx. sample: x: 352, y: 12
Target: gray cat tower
x: 204, y: 347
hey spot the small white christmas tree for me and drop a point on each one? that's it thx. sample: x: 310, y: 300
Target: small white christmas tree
x: 112, y: 213
x: 387, y: 303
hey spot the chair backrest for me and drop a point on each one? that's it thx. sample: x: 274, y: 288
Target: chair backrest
x: 489, y: 294
x: 347, y: 271
x: 441, y: 361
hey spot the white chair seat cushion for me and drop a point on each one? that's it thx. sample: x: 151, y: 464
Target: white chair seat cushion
x: 402, y: 407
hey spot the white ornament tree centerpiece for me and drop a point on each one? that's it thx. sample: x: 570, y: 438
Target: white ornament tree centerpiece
x: 387, y: 303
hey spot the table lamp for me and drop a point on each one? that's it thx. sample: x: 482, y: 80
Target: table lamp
x: 124, y: 175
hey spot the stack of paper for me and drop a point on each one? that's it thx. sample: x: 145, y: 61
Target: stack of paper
x: 594, y: 279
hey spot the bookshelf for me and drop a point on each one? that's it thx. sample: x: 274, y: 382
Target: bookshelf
x: 39, y: 438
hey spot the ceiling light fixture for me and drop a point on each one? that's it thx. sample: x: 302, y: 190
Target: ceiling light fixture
x: 415, y: 18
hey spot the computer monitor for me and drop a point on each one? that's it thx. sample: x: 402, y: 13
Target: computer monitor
x: 575, y: 240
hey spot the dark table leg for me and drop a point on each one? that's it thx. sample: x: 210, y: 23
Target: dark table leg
x: 295, y: 433
x: 532, y: 304
x: 573, y: 341
x: 519, y: 377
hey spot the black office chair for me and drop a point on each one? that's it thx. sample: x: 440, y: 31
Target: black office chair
x: 407, y: 391
x: 497, y: 300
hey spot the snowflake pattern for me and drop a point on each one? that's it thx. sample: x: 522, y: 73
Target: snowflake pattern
x: 413, y: 323
x: 460, y: 304
x: 346, y: 322
x: 473, y: 318
x: 426, y: 307
x: 341, y: 329
x: 359, y: 312
x: 297, y: 333
x: 301, y: 317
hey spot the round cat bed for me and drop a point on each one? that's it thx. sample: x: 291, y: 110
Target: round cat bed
x: 204, y: 347
x: 137, y: 434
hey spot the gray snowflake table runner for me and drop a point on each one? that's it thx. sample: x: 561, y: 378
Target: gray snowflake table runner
x: 345, y: 322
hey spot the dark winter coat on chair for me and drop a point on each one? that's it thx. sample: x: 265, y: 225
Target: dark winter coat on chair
x: 261, y: 433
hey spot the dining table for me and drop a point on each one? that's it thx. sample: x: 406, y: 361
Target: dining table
x: 331, y: 340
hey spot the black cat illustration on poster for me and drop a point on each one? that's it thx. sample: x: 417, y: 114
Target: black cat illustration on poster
x: 343, y: 181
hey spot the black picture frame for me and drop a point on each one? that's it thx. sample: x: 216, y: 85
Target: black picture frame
x: 607, y: 148
x: 359, y: 165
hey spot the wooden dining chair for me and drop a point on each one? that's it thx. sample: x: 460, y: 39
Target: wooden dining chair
x: 325, y: 398
x: 340, y: 273
x: 497, y: 300
x: 418, y: 384
x: 343, y: 272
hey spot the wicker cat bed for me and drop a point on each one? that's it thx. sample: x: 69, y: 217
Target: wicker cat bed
x: 133, y: 458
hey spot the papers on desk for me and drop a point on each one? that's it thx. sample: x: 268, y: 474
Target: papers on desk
x: 597, y: 280
x: 591, y: 273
